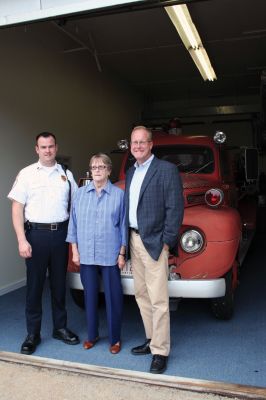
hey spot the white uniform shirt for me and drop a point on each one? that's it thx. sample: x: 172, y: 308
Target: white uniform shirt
x: 44, y: 192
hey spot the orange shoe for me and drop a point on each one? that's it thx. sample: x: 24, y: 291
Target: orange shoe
x: 88, y: 344
x: 115, y: 348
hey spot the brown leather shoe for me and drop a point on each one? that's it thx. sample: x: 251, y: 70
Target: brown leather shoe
x: 88, y: 344
x: 115, y: 348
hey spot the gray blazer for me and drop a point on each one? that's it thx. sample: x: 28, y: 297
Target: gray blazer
x: 160, y: 207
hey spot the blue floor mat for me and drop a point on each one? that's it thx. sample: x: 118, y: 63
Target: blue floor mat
x: 202, y: 347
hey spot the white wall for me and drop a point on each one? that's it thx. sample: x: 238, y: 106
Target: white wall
x: 16, y: 11
x: 45, y: 90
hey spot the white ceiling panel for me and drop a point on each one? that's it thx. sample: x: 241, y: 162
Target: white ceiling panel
x: 19, y: 11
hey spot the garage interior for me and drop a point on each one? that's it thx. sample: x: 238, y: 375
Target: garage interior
x: 140, y: 47
x: 90, y: 77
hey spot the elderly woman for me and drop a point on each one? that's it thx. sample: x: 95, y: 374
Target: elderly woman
x: 97, y: 234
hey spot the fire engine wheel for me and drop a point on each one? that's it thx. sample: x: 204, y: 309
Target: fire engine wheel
x: 223, y: 307
x: 78, y: 297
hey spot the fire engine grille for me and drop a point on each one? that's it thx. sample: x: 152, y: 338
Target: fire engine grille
x: 196, y: 198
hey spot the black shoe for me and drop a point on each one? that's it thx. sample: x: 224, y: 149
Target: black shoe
x: 143, y: 349
x: 30, y: 343
x: 158, y: 364
x: 66, y: 336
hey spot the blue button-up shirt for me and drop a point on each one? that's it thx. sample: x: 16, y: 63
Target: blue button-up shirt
x: 97, y: 224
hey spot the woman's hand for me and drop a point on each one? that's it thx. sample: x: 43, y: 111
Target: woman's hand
x: 75, y: 254
x: 75, y: 259
x: 121, y: 261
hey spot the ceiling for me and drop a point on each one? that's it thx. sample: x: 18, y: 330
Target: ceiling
x: 143, y: 48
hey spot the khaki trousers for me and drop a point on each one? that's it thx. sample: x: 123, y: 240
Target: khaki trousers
x: 151, y: 292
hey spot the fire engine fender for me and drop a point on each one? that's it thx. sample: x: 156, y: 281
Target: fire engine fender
x: 221, y: 229
x: 217, y: 224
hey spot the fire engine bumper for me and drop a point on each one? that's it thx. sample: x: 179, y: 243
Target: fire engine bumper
x: 190, y: 288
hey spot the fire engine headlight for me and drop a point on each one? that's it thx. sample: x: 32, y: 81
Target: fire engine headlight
x: 191, y: 241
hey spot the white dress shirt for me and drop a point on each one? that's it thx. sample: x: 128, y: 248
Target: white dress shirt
x: 44, y: 192
x: 134, y: 190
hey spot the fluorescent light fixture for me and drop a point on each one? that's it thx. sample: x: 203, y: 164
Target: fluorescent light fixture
x: 183, y: 23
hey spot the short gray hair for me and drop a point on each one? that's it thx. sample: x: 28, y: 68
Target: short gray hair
x: 145, y: 129
x: 105, y: 159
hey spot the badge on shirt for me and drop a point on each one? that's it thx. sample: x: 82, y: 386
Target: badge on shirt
x: 63, y: 177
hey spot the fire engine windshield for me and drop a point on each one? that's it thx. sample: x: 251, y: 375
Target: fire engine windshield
x: 189, y: 159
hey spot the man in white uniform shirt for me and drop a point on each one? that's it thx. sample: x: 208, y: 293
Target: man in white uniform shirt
x: 40, y: 210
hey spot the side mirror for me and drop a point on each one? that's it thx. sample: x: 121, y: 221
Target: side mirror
x: 251, y: 164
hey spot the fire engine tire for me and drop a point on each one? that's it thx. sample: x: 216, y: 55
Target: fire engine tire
x: 78, y: 297
x: 223, y: 307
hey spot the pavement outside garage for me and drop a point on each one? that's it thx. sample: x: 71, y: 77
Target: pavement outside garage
x: 47, y: 379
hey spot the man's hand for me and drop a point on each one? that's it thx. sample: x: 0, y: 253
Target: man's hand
x: 166, y: 247
x: 24, y: 249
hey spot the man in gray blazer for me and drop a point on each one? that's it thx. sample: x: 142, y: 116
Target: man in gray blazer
x: 154, y: 204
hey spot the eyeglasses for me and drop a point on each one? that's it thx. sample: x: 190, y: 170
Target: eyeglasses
x: 139, y: 142
x: 99, y: 167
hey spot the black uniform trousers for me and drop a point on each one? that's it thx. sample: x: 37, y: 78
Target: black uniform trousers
x: 49, y: 251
